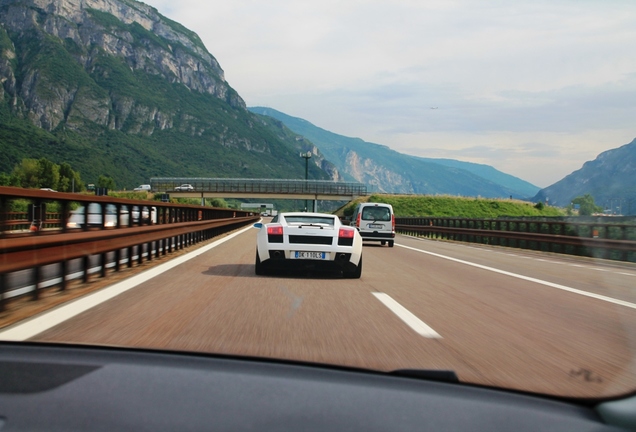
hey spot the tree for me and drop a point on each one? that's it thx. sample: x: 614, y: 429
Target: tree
x: 218, y: 203
x: 26, y: 174
x: 5, y: 179
x: 48, y: 174
x: 70, y: 181
x: 586, y: 205
x: 106, y: 182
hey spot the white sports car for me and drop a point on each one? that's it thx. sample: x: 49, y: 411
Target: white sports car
x: 308, y: 240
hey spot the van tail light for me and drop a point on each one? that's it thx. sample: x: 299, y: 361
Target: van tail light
x: 275, y: 234
x: 358, y: 219
x: 393, y: 222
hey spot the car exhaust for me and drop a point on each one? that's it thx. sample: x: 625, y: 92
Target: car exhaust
x: 342, y: 257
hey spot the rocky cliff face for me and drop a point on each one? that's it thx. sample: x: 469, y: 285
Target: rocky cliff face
x: 118, y: 89
x: 91, y: 30
x: 381, y: 179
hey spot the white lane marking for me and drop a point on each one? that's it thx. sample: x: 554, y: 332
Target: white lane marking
x: 30, y: 328
x: 530, y: 279
x: 626, y: 274
x: 405, y: 315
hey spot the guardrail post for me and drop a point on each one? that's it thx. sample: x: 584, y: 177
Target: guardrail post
x: 63, y: 270
x: 3, y: 290
x: 85, y: 264
x: 102, y: 262
x: 117, y: 260
x: 37, y: 274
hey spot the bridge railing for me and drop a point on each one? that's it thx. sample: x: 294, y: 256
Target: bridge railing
x: 59, y: 253
x: 224, y: 185
x: 596, y: 239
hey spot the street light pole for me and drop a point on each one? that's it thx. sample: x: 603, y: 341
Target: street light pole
x: 306, y: 156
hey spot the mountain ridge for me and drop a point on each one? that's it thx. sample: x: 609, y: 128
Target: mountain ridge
x: 115, y: 88
x: 609, y: 178
x: 378, y: 166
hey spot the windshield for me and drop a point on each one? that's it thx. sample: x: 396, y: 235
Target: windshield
x: 385, y: 185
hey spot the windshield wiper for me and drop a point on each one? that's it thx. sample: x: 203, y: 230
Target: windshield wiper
x: 448, y: 376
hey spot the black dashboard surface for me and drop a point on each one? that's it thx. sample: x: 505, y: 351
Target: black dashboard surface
x: 61, y: 388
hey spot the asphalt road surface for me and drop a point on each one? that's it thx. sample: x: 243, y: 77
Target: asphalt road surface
x: 502, y: 317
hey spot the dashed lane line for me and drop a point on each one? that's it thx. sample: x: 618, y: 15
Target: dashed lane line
x: 407, y: 316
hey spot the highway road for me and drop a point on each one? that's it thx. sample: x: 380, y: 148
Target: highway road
x: 502, y: 317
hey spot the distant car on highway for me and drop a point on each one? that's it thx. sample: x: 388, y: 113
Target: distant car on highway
x: 308, y: 240
x: 184, y: 188
x: 48, y: 189
x: 375, y: 222
x: 142, y: 188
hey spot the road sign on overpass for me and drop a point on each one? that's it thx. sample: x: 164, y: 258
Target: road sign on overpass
x: 258, y: 188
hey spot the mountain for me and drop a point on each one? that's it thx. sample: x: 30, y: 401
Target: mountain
x: 610, y: 179
x: 386, y: 170
x: 114, y: 88
x: 520, y: 187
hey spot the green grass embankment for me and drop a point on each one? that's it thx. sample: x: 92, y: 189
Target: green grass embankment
x: 450, y: 206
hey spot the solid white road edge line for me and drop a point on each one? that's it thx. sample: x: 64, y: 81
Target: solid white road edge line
x: 405, y: 315
x: 28, y: 329
x: 529, y: 279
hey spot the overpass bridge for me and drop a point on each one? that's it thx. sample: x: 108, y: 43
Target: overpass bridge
x: 259, y: 188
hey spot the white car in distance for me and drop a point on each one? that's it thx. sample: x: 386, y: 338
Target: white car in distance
x: 308, y: 240
x: 184, y: 188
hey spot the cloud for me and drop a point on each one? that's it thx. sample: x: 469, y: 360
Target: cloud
x: 520, y: 79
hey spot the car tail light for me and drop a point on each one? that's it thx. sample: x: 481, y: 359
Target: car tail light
x: 275, y: 230
x: 275, y: 234
x: 345, y: 236
x: 346, y: 233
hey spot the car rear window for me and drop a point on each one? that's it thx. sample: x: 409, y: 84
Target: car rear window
x: 376, y: 213
x: 310, y: 220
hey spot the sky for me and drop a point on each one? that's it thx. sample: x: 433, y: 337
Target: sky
x: 533, y: 88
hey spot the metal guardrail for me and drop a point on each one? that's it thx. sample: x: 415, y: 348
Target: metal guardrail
x: 596, y: 239
x: 174, y: 227
x: 274, y: 186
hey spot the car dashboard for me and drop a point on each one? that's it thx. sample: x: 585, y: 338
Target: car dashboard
x: 66, y: 387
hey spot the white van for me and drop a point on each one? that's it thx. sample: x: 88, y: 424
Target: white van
x: 375, y: 222
x: 142, y: 188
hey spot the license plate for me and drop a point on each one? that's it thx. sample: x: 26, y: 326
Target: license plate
x: 310, y: 255
x: 376, y: 226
